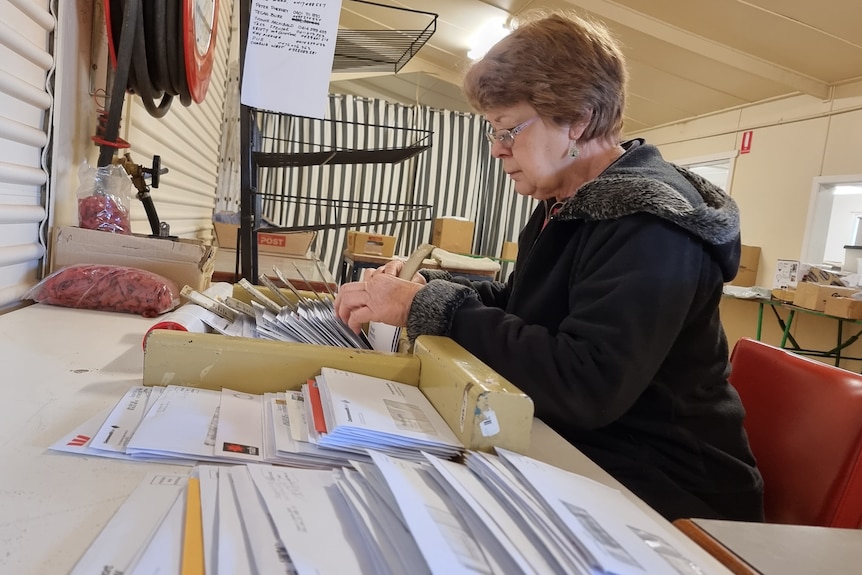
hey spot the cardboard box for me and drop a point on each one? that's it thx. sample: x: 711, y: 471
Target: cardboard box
x: 784, y: 294
x: 749, y: 260
x: 820, y: 276
x: 370, y: 244
x: 845, y: 307
x: 814, y: 296
x: 185, y: 262
x: 510, y: 251
x: 281, y: 243
x: 453, y: 235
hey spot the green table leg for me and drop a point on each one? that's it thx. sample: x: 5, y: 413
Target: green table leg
x: 838, y: 347
x: 759, y: 320
x: 787, y: 327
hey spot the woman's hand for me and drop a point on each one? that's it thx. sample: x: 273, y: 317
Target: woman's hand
x: 393, y: 268
x: 379, y: 297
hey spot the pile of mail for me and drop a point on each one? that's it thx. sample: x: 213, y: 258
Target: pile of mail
x: 306, y: 318
x: 332, y: 422
x: 504, y: 513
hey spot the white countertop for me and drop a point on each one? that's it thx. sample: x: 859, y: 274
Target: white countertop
x: 58, y: 368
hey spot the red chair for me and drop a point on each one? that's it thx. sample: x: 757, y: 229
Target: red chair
x: 804, y: 422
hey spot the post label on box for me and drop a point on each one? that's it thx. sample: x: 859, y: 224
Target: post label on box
x: 274, y: 240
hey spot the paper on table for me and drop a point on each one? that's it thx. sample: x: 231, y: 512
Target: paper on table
x: 617, y: 533
x: 295, y: 41
x: 182, y: 422
x: 384, y: 530
x: 125, y: 537
x: 232, y: 549
x: 442, y: 536
x: 370, y: 409
x: 239, y: 435
x: 306, y: 518
x: 121, y: 423
x: 267, y: 553
x: 477, y: 501
x: 208, y: 475
x: 79, y: 439
x: 163, y: 554
x: 527, y: 511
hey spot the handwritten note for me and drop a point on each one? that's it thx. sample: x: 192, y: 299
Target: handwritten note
x: 288, y: 59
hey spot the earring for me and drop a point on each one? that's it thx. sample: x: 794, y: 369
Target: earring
x: 574, y: 152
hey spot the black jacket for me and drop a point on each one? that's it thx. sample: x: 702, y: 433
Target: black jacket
x: 610, y: 323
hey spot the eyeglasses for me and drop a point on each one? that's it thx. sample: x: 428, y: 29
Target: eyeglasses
x: 507, y: 137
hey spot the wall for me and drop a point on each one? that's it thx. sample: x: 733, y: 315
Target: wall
x: 795, y: 140
x: 187, y: 138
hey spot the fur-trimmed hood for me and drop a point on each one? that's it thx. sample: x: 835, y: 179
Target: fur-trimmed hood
x: 640, y: 181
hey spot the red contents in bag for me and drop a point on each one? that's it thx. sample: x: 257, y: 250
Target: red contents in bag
x: 108, y: 288
x: 104, y: 213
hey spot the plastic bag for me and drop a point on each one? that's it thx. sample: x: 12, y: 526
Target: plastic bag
x: 107, y: 288
x: 104, y: 199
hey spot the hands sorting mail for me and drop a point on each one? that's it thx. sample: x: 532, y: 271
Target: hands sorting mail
x: 381, y: 296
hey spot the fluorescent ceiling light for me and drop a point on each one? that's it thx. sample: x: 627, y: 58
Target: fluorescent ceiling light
x: 492, y: 32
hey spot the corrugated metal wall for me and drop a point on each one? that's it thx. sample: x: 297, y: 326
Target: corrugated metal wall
x: 26, y: 37
x: 455, y: 177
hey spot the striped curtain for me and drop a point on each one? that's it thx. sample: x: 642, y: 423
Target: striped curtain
x: 456, y: 176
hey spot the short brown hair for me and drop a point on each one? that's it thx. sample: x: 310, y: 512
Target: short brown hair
x: 567, y: 68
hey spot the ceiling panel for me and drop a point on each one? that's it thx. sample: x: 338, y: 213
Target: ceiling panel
x: 686, y: 58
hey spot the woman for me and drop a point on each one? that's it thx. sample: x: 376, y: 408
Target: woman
x: 610, y: 320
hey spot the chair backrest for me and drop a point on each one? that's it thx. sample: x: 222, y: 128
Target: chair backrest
x: 804, y: 422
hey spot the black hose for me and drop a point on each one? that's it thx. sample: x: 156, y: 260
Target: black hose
x: 157, y: 70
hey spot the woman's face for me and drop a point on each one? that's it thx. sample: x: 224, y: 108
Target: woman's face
x: 536, y: 155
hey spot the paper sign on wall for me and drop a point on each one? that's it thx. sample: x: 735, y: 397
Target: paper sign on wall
x: 289, y: 54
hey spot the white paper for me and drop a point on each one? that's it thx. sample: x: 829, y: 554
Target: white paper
x: 383, y: 529
x: 232, y: 549
x: 472, y: 494
x: 208, y: 476
x: 121, y: 423
x: 268, y: 554
x: 125, y: 537
x: 164, y: 553
x: 79, y: 439
x: 307, y: 519
x: 375, y: 412
x: 443, y: 537
x: 181, y: 422
x: 239, y: 435
x: 289, y: 54
x: 383, y: 337
x: 611, y: 527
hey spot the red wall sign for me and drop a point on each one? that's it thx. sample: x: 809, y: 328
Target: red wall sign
x: 745, y: 146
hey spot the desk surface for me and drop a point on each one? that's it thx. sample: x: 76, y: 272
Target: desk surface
x: 59, y: 367
x: 789, y: 549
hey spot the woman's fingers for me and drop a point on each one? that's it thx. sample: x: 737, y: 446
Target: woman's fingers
x: 381, y: 297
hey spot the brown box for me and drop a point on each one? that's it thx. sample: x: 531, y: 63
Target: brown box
x: 749, y: 260
x: 453, y: 235
x: 845, y: 307
x: 784, y: 294
x: 185, y: 262
x: 510, y: 251
x: 814, y: 296
x: 281, y: 243
x: 370, y: 244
